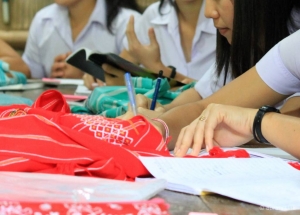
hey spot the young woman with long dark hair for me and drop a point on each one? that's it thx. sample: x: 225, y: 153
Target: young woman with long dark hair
x: 250, y: 28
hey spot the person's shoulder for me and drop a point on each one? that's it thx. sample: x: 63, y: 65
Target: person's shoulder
x: 126, y: 12
x: 48, y: 11
x: 152, y: 9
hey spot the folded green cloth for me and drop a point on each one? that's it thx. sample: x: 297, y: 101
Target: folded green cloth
x: 112, y: 101
x: 11, y: 100
x: 9, y: 77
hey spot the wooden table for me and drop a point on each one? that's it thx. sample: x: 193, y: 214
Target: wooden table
x: 182, y: 204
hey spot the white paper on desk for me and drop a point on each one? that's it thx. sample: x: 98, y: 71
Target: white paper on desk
x: 82, y: 90
x: 17, y: 186
x: 62, y: 81
x: 270, y: 152
x: 268, y: 182
x: 28, y: 86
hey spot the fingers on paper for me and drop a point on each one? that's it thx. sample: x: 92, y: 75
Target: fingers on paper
x: 182, y: 144
x: 193, y: 136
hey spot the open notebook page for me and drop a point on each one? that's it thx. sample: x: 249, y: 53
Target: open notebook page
x: 221, y: 175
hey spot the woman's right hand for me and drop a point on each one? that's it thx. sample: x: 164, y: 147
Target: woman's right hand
x: 221, y: 125
x: 144, y: 102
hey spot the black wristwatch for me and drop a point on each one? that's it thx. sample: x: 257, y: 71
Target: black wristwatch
x: 173, y: 73
x: 257, y: 122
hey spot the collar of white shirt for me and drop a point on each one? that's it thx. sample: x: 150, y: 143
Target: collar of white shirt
x: 60, y: 13
x: 169, y: 17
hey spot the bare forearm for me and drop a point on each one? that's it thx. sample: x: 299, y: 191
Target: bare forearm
x: 188, y: 96
x: 17, y: 64
x: 283, y: 132
x: 167, y: 71
x: 291, y: 107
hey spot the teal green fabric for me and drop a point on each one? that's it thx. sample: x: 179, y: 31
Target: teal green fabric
x: 112, y: 101
x: 11, y: 100
x: 9, y: 77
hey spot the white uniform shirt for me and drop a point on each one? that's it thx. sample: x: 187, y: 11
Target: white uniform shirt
x: 280, y: 67
x: 167, y: 34
x: 50, y: 35
x: 210, y: 82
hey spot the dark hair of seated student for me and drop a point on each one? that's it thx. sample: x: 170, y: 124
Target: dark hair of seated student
x: 113, y: 7
x: 258, y: 25
x: 173, y: 3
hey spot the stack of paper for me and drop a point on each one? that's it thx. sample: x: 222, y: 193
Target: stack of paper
x: 31, y: 187
x: 82, y: 90
x: 267, y: 182
x: 28, y: 86
x: 62, y: 81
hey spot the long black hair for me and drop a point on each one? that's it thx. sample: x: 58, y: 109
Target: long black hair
x: 113, y: 7
x: 162, y: 2
x: 258, y: 25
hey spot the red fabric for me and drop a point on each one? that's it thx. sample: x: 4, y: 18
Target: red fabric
x: 48, y: 138
x: 217, y: 152
x: 151, y: 207
x: 295, y: 165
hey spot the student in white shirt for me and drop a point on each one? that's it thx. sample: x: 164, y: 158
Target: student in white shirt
x: 66, y: 26
x: 236, y: 53
x: 276, y: 76
x: 241, y: 93
x: 172, y: 33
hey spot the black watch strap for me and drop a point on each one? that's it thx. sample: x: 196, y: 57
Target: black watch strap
x: 257, y: 122
x: 173, y: 73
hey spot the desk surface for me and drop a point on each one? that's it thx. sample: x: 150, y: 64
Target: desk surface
x: 182, y: 204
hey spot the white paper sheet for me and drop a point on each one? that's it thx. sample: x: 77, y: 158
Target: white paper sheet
x: 268, y: 182
x: 17, y: 186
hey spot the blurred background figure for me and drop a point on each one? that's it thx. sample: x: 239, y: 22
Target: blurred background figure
x: 68, y: 25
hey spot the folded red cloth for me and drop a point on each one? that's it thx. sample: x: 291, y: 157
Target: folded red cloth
x: 48, y: 138
x: 151, y: 207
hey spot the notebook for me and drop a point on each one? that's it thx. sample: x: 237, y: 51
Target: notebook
x: 18, y: 186
x: 16, y: 87
x: 91, y: 62
x: 267, y: 182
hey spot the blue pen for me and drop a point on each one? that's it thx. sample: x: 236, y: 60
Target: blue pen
x: 131, y: 92
x: 156, y: 91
